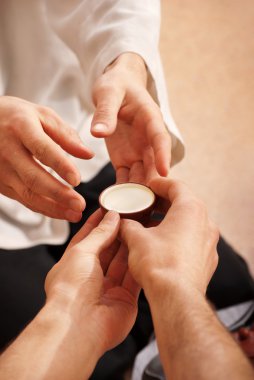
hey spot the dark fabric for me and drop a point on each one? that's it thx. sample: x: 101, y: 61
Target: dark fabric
x: 22, y: 276
x: 231, y: 283
x: 114, y: 363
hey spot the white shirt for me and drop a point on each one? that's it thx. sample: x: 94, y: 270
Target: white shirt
x: 51, y: 52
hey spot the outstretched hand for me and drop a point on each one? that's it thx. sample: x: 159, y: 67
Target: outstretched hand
x: 31, y: 135
x: 129, y: 119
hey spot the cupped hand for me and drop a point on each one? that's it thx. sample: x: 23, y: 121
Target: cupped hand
x: 31, y: 135
x: 92, y: 282
x: 182, y: 247
x: 129, y: 119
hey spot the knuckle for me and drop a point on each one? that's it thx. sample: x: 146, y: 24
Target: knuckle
x: 17, y: 121
x: 27, y: 196
x: 100, y: 230
x: 150, y: 111
x: 5, y: 153
x: 72, y: 134
x: 102, y: 85
x: 193, y: 205
x: 40, y: 151
x: 103, y: 111
x: 104, y: 89
x: 46, y: 110
x: 30, y: 180
x: 157, y: 138
x: 198, y: 206
x: 55, y: 194
x: 57, y: 164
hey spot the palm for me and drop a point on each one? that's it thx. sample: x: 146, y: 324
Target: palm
x: 139, y: 127
x: 126, y: 145
x: 117, y: 304
x: 116, y: 314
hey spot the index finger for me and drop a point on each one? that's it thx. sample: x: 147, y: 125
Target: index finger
x: 89, y: 225
x: 172, y: 193
x: 170, y: 189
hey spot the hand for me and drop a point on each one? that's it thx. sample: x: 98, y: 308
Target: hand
x: 93, y: 284
x: 129, y: 119
x: 30, y: 133
x: 181, y: 249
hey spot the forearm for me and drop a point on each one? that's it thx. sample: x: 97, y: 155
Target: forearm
x: 50, y: 348
x: 192, y: 342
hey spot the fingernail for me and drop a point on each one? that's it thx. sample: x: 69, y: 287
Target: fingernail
x: 73, y: 216
x: 99, y: 127
x: 76, y: 205
x: 72, y: 179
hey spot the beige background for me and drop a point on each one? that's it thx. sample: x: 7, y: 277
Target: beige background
x: 207, y: 49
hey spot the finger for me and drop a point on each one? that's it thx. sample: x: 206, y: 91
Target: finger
x: 42, y: 205
x: 89, y: 225
x: 158, y: 137
x: 13, y: 187
x: 176, y: 192
x: 170, y: 189
x: 149, y: 165
x: 130, y: 232
x: 37, y: 180
x: 50, y: 208
x: 137, y: 173
x: 145, y: 112
x: 122, y: 174
x: 118, y: 266
x: 102, y: 236
x: 108, y: 101
x: 108, y: 254
x: 160, y: 141
x: 63, y: 134
x: 44, y: 149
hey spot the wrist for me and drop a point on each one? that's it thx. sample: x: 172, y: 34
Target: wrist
x: 74, y: 321
x: 127, y: 63
x: 160, y: 284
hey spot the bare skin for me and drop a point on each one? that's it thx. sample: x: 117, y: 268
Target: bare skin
x: 31, y: 135
x: 129, y: 119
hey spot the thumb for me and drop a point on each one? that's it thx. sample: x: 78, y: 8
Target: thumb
x: 130, y: 232
x: 103, y: 235
x: 108, y: 101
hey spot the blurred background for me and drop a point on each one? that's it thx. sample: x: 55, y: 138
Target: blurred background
x: 207, y: 49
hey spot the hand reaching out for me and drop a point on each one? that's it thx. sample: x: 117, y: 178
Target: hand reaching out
x: 29, y: 135
x: 129, y: 119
